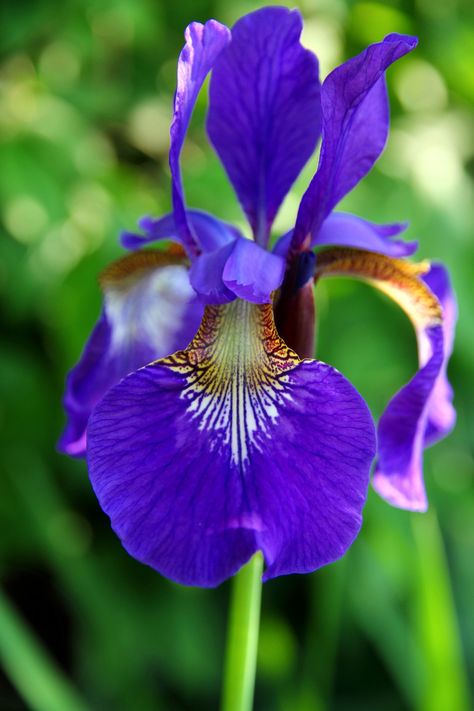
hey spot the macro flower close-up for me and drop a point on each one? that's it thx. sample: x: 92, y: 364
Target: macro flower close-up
x: 229, y: 438
x: 236, y: 359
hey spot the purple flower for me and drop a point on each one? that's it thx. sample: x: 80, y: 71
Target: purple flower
x: 240, y: 441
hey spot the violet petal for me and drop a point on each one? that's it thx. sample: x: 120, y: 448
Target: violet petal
x: 230, y: 447
x: 355, y: 127
x: 421, y: 411
x: 252, y: 273
x: 205, y: 276
x: 264, y: 114
x: 441, y: 413
x: 399, y: 475
x: 141, y: 321
x: 203, y: 45
x: 345, y: 230
x: 210, y: 232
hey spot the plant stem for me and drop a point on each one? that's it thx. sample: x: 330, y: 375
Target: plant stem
x: 242, y: 640
x: 446, y: 684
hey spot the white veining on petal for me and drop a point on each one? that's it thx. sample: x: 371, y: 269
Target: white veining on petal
x: 236, y: 374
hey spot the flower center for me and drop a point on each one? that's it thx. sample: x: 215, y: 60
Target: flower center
x: 235, y: 375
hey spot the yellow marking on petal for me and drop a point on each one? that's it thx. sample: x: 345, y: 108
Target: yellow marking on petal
x: 397, y: 278
x: 123, y: 271
x: 235, y: 371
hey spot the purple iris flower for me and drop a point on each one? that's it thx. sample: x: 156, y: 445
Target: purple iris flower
x: 206, y: 443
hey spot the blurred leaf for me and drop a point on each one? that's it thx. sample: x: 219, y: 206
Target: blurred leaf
x: 30, y: 668
x: 445, y: 685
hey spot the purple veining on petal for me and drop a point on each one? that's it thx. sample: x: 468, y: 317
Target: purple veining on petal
x: 142, y: 322
x: 441, y: 413
x: 210, y: 232
x: 264, y: 114
x: 229, y: 448
x: 344, y: 230
x: 314, y: 474
x: 203, y: 45
x: 252, y: 273
x: 355, y: 127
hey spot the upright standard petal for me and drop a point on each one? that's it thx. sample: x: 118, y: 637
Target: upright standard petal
x: 149, y: 311
x: 403, y: 426
x: 210, y: 232
x: 232, y: 446
x: 355, y: 127
x: 264, y: 114
x: 203, y: 45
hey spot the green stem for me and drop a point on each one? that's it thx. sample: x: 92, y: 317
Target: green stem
x: 446, y: 685
x: 30, y: 668
x: 242, y: 641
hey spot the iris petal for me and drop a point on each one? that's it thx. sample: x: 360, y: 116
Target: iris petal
x: 205, y: 276
x: 441, y: 413
x: 210, y: 232
x: 398, y: 477
x: 345, y: 230
x: 355, y: 128
x: 264, y: 113
x: 239, y: 269
x: 421, y: 411
x: 230, y: 447
x: 149, y: 311
x: 253, y: 273
x: 342, y: 229
x: 86, y: 383
x: 203, y: 45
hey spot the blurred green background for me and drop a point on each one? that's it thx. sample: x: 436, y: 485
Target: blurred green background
x: 85, y: 102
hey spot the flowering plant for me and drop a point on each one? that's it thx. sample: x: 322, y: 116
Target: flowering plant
x: 211, y: 431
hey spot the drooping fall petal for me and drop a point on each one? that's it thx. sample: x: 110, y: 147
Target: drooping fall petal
x: 405, y: 423
x: 149, y: 310
x: 230, y: 447
x: 441, y: 413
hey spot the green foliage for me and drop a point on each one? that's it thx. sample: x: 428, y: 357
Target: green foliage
x: 85, y: 103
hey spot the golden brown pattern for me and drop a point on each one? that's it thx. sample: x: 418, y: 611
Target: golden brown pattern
x: 239, y: 332
x: 235, y: 371
x: 397, y: 278
x: 125, y: 269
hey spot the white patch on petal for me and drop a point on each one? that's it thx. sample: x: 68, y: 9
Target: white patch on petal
x: 150, y: 309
